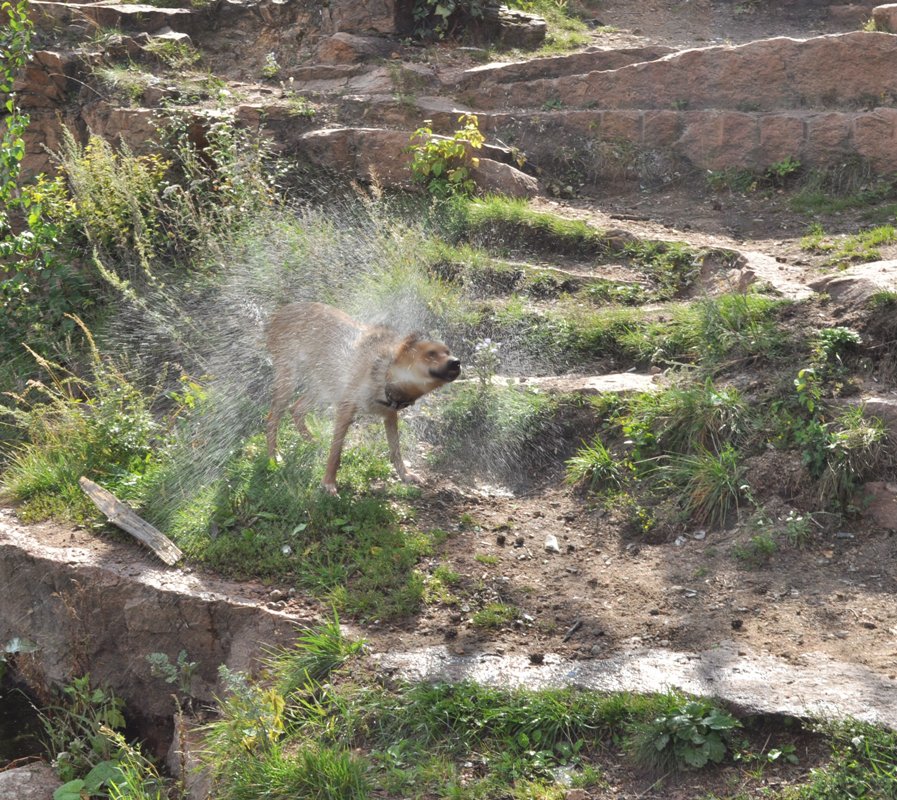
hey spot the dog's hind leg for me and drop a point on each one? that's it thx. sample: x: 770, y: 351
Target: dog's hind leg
x: 299, y: 410
x: 391, y: 423
x: 283, y: 393
x: 344, y: 415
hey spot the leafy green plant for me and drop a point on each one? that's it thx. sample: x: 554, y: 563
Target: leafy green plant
x: 688, y: 736
x: 75, y: 731
x: 444, y: 163
x: 829, y: 346
x: 779, y: 172
x: 758, y: 550
x: 180, y: 672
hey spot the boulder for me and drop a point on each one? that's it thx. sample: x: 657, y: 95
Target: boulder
x: 855, y: 286
x: 508, y: 28
x: 493, y: 177
x: 346, y: 48
x: 31, y: 782
x: 885, y: 17
x: 365, y: 154
x: 101, y: 607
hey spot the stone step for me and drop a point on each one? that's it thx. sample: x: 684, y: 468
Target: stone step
x: 756, y: 682
x: 136, y: 17
x: 621, y: 383
x: 591, y: 60
x: 646, y: 144
x: 847, y: 71
x: 131, y: 605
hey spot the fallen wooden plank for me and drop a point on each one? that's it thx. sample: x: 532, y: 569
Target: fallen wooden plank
x: 122, y: 516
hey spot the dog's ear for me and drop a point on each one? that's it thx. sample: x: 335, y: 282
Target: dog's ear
x: 411, y: 341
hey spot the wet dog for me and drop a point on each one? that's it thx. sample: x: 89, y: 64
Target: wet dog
x: 333, y: 360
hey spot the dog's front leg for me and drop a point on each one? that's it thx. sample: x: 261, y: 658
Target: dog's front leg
x: 344, y: 415
x: 391, y: 423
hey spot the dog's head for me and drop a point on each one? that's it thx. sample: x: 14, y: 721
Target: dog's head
x: 426, y: 362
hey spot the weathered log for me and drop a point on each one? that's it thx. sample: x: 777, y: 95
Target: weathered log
x: 125, y: 518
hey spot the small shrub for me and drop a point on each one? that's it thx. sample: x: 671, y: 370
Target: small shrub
x: 443, y: 163
x: 758, y: 551
x: 689, y: 736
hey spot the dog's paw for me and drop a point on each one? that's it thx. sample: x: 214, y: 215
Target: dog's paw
x: 330, y: 488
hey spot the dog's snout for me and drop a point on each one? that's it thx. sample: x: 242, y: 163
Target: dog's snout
x: 453, y: 364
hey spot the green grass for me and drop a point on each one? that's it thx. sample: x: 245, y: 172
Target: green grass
x: 845, y: 250
x: 355, y: 737
x: 494, y: 615
x: 862, y: 765
x: 511, y: 225
x: 271, y: 520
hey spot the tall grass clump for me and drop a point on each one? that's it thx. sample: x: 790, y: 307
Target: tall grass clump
x: 99, y: 427
x: 712, y: 483
x: 595, y: 468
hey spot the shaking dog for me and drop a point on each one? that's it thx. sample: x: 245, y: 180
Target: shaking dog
x: 333, y: 360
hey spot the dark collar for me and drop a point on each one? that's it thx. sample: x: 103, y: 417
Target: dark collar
x: 393, y: 402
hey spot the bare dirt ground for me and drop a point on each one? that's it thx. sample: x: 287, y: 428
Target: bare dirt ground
x: 606, y: 591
